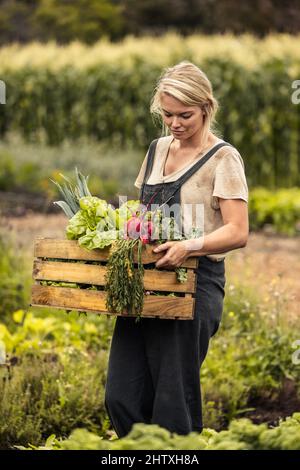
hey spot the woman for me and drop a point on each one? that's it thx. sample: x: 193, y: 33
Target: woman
x: 154, y: 365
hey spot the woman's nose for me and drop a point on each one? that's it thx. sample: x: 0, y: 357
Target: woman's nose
x: 175, y: 122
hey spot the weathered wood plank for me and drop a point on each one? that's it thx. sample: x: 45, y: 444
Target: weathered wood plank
x: 94, y: 301
x: 69, y: 249
x: 165, y: 281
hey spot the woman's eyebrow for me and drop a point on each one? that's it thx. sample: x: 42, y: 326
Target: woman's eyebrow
x: 184, y: 112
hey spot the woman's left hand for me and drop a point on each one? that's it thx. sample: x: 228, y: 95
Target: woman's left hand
x: 176, y: 254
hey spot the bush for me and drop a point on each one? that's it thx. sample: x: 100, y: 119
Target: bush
x: 241, y: 435
x: 280, y: 208
x: 45, y: 393
x: 14, y: 281
x: 243, y: 364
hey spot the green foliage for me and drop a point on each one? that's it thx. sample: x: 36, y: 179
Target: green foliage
x: 181, y: 274
x: 92, y: 221
x: 20, y: 170
x: 72, y: 193
x: 56, y: 377
x: 29, y: 169
x: 7, y: 172
x: 88, y: 20
x: 44, y: 393
x: 64, y: 21
x: 31, y: 333
x: 14, y: 281
x: 97, y: 224
x: 249, y: 358
x: 241, y: 435
x: 94, y: 225
x: 85, y: 20
x: 49, y: 391
x: 74, y: 102
x: 280, y: 208
x: 15, y: 177
x: 123, y: 283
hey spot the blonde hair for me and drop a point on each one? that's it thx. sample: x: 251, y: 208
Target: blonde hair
x: 190, y: 85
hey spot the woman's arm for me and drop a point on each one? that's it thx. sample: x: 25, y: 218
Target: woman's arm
x: 233, y: 234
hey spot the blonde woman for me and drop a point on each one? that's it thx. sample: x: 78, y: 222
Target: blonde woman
x: 154, y: 365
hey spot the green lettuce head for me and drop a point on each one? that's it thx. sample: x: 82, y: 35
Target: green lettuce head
x: 76, y: 226
x: 93, y: 209
x: 95, y: 239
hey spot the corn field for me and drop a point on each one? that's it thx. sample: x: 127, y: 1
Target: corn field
x: 103, y: 92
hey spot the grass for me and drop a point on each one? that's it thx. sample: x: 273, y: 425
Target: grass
x: 111, y: 170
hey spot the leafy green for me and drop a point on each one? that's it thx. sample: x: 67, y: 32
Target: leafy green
x: 72, y: 193
x: 181, y: 274
x: 123, y: 283
x: 241, y: 435
x: 95, y: 239
x: 76, y: 226
x: 95, y: 225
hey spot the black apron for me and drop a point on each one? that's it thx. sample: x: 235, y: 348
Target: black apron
x: 154, y: 365
x: 170, y: 193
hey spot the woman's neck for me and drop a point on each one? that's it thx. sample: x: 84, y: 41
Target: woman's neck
x: 197, y: 142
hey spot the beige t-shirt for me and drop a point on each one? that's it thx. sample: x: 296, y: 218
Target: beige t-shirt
x: 221, y: 176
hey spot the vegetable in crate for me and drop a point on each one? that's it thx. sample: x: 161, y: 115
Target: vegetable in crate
x: 72, y: 193
x: 124, y: 284
x: 96, y: 224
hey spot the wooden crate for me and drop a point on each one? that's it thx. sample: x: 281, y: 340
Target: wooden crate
x: 88, y: 273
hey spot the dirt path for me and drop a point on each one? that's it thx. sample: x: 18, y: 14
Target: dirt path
x: 268, y: 264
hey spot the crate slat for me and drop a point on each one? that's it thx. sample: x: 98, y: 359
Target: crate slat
x: 92, y: 274
x: 94, y: 301
x: 69, y: 249
x: 54, y: 261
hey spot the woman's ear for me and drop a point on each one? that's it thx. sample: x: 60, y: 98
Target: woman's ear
x: 204, y: 109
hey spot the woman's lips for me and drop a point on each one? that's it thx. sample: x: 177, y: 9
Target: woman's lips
x: 177, y: 132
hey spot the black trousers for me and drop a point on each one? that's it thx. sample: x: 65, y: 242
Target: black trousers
x: 154, y: 365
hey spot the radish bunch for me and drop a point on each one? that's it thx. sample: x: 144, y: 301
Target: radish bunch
x: 139, y: 227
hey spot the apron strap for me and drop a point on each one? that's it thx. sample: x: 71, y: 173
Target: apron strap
x: 185, y: 176
x: 149, y: 166
x: 201, y: 162
x: 195, y: 168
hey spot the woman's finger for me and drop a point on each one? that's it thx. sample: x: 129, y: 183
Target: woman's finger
x: 162, y: 247
x: 163, y: 262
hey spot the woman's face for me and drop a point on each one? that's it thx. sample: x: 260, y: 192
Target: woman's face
x: 183, y: 121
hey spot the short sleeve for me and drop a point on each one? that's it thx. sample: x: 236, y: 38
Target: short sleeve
x: 230, y: 179
x: 139, y: 180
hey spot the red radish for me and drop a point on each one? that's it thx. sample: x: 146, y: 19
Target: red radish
x: 144, y: 239
x: 133, y: 227
x: 138, y: 227
x: 147, y: 229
